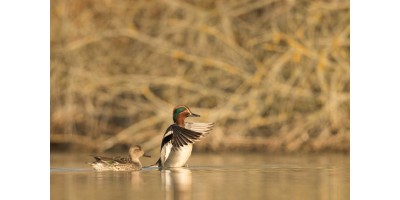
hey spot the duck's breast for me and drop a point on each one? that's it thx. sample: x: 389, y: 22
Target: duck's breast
x: 179, y: 157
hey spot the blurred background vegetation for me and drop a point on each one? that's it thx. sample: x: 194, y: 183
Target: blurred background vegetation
x: 273, y: 75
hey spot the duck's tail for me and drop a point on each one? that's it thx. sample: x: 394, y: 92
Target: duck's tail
x: 157, y: 164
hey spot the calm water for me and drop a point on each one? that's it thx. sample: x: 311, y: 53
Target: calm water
x: 209, y: 176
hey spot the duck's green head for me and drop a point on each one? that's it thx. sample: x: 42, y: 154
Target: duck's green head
x: 181, y: 112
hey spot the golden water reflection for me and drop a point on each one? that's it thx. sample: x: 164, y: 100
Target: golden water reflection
x: 209, y: 176
x: 177, y: 183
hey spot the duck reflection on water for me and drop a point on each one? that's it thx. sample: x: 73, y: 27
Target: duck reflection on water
x: 177, y: 183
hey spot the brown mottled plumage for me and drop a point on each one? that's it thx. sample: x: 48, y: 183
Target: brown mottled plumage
x: 120, y: 163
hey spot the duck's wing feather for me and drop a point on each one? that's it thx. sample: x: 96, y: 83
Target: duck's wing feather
x: 114, y: 160
x: 164, y: 154
x: 204, y: 128
x: 167, y: 137
x: 122, y: 160
x: 184, y: 136
x: 166, y: 146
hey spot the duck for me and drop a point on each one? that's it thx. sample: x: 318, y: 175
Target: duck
x: 119, y: 163
x: 177, y: 142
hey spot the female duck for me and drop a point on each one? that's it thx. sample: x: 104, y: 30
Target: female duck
x: 120, y: 163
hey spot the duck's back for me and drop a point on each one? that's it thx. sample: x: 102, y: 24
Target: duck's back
x: 115, y: 164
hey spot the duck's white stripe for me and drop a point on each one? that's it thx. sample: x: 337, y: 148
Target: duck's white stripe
x: 168, y: 133
x: 165, y: 151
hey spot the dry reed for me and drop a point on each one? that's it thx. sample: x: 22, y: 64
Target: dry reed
x: 273, y: 75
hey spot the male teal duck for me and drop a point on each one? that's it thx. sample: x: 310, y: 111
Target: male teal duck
x: 120, y: 163
x: 177, y: 143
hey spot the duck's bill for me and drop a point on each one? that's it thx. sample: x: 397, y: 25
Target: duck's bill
x: 147, y: 155
x: 194, y: 115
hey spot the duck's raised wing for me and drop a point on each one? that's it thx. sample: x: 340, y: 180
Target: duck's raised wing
x: 190, y: 134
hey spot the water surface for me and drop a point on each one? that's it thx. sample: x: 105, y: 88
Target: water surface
x: 208, y: 176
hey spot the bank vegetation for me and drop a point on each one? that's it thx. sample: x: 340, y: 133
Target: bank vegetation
x: 273, y: 75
